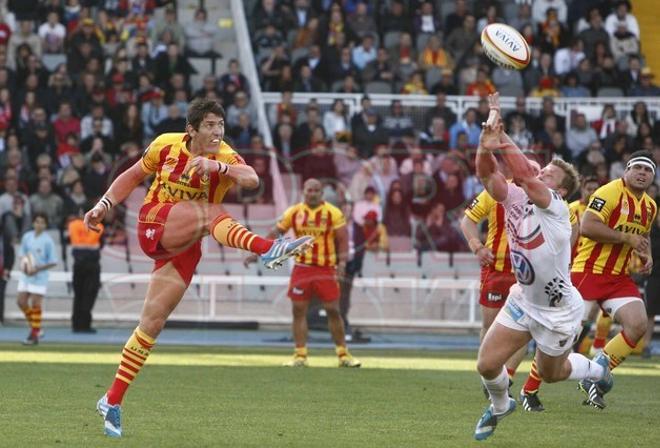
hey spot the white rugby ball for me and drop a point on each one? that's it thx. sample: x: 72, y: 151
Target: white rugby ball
x: 27, y: 263
x: 505, y: 46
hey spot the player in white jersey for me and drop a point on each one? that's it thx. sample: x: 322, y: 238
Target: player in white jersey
x: 543, y: 304
x: 539, y: 241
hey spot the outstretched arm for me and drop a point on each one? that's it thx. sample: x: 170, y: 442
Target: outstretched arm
x: 486, y: 164
x: 522, y: 170
x: 120, y: 189
x: 524, y: 173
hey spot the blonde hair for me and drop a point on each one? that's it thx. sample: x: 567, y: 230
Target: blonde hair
x: 571, y: 180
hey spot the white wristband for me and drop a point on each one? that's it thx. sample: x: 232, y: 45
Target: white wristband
x: 106, y: 203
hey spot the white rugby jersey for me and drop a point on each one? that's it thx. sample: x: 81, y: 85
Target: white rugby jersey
x: 540, y: 247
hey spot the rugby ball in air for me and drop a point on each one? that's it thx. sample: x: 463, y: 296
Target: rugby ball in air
x: 505, y: 46
x: 27, y: 264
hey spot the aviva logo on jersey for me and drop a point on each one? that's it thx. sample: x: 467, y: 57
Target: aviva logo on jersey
x: 185, y: 194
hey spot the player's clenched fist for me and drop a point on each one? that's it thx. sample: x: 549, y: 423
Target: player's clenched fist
x: 202, y: 165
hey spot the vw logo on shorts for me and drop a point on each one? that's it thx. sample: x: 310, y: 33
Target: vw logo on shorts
x: 522, y: 267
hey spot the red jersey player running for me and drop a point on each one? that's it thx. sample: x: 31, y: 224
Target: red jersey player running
x: 193, y: 171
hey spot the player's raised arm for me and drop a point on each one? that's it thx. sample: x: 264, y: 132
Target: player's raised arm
x: 120, y: 189
x: 520, y: 166
x: 486, y: 163
x: 524, y: 172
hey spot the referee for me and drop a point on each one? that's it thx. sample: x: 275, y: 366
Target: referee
x: 86, y: 250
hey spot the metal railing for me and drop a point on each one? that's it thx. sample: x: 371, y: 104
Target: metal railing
x: 409, y: 302
x: 591, y: 107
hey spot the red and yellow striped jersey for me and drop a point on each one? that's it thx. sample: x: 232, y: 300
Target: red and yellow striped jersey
x: 321, y: 223
x: 619, y: 209
x: 577, y: 208
x: 485, y: 207
x: 167, y: 157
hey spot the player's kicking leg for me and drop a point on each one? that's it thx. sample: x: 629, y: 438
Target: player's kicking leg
x: 187, y: 222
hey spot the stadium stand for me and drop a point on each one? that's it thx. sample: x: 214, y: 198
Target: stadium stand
x: 126, y: 74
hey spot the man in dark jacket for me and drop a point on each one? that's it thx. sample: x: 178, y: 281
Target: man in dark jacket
x: 6, y: 263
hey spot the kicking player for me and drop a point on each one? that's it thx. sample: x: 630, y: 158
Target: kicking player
x: 317, y: 271
x: 542, y: 305
x: 193, y: 171
x: 617, y: 223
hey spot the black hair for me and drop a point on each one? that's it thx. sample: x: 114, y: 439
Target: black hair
x: 200, y: 107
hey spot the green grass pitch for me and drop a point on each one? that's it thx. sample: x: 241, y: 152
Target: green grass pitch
x: 238, y: 397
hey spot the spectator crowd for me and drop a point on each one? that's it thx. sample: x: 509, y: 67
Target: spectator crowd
x: 84, y: 86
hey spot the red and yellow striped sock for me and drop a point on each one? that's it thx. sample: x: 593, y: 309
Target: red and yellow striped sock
x: 603, y: 325
x: 618, y: 349
x: 533, y: 380
x: 27, y: 312
x: 300, y: 352
x: 134, y: 355
x: 35, y: 320
x: 511, y: 372
x: 231, y: 233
